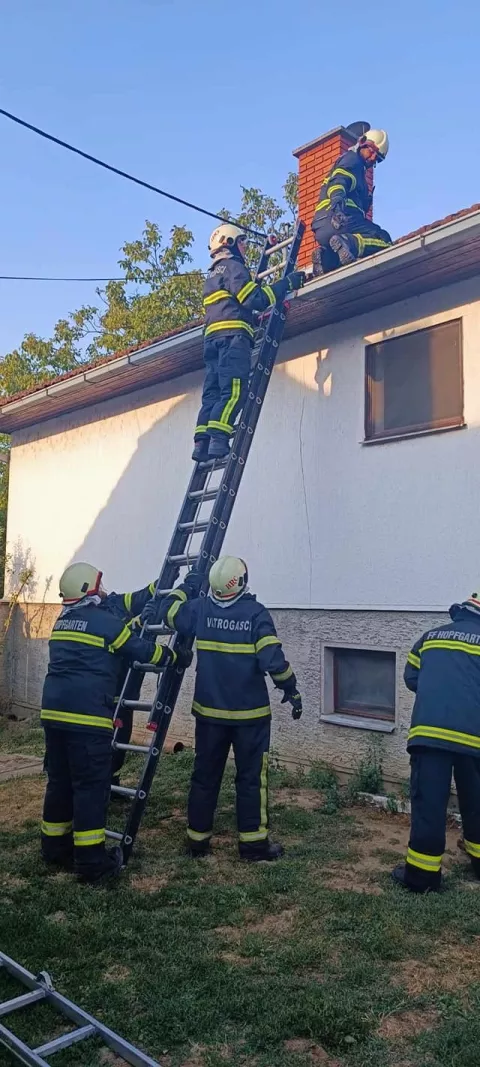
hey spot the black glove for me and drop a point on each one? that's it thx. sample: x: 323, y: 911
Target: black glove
x: 339, y: 217
x: 296, y: 280
x: 184, y: 657
x: 293, y: 697
x: 194, y: 582
x: 150, y: 613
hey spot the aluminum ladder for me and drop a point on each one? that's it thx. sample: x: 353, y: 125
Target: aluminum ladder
x: 199, y: 533
x: 41, y: 990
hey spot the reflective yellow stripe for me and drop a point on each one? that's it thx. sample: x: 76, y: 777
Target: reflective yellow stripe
x: 247, y: 289
x: 360, y: 242
x: 127, y: 600
x: 74, y: 635
x: 224, y: 646
x: 224, y: 426
x: 56, y: 829
x: 262, y: 832
x: 264, y: 641
x: 423, y: 860
x: 322, y: 205
x: 453, y: 646
x: 69, y: 717
x: 157, y: 655
x: 201, y: 429
x: 283, y: 676
x: 439, y: 733
x: 120, y: 640
x: 363, y: 241
x: 219, y: 294
x: 85, y: 838
x: 229, y: 324
x: 331, y: 189
x: 227, y: 713
x: 151, y: 588
x: 413, y: 659
x: 326, y: 205
x: 472, y: 848
x: 267, y: 289
x: 231, y: 404
x: 172, y: 611
x: 194, y: 835
x: 346, y: 174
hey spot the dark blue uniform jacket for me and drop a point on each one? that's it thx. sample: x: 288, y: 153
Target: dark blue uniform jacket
x: 230, y: 296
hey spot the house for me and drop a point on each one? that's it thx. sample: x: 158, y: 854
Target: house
x: 358, y: 511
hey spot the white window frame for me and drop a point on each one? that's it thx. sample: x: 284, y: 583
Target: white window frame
x: 356, y: 722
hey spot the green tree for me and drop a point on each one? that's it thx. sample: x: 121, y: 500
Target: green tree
x: 263, y: 213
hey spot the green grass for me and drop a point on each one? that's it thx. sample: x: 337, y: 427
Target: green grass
x: 217, y: 964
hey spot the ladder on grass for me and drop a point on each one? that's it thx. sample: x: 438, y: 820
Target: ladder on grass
x: 41, y: 990
x: 199, y: 533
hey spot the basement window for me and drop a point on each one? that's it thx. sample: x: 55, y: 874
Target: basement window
x: 414, y: 383
x: 359, y: 687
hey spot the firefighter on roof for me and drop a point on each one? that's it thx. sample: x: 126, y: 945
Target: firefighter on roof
x: 443, y: 670
x: 230, y: 297
x: 340, y: 224
x: 236, y: 646
x: 88, y: 641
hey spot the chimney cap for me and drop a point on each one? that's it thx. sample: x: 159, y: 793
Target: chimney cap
x: 353, y: 131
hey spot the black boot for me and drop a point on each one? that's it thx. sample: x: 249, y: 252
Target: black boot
x: 401, y: 877
x: 60, y: 862
x: 260, y: 851
x: 200, y: 449
x: 218, y: 447
x: 341, y: 245
x: 317, y: 265
x: 106, y: 871
x: 197, y: 850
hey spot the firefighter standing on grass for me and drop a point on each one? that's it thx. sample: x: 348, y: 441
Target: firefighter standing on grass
x: 236, y: 646
x: 340, y: 224
x: 88, y: 641
x: 230, y: 296
x: 443, y: 670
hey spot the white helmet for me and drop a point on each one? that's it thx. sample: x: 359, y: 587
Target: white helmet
x: 79, y: 580
x: 224, y: 238
x: 228, y: 578
x: 378, y: 138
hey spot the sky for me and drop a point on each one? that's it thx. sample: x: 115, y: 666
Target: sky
x: 201, y: 97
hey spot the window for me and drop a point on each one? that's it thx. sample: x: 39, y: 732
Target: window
x: 363, y: 683
x: 414, y: 382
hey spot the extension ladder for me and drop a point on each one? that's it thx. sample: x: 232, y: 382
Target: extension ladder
x: 41, y: 990
x: 199, y: 533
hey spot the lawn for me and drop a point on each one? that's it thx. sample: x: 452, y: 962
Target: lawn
x: 315, y: 960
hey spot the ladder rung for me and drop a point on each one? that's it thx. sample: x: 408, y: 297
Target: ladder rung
x: 183, y: 561
x: 22, y: 1002
x: 114, y: 835
x: 159, y: 628
x: 197, y: 527
x: 66, y: 1040
x: 201, y: 494
x: 131, y: 748
x: 278, y: 246
x: 148, y: 668
x: 137, y: 705
x: 123, y: 791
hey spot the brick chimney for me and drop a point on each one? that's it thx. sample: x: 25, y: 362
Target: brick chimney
x: 314, y: 162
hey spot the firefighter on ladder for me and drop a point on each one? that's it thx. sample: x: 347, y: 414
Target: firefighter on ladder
x: 443, y: 670
x: 340, y: 224
x: 236, y: 646
x: 230, y: 298
x: 88, y: 641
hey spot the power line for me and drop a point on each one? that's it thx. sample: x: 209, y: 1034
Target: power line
x: 122, y: 173
x: 39, y: 278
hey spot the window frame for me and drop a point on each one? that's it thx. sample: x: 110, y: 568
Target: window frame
x: 363, y: 719
x: 419, y: 430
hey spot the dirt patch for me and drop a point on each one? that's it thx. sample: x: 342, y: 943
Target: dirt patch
x: 344, y: 881
x: 110, y: 1059
x: 17, y: 766
x: 117, y: 973
x: 308, y: 799
x: 316, y: 1054
x: 235, y: 959
x: 146, y: 883
x: 451, y: 969
x: 406, y: 1024
x: 10, y: 881
x: 272, y: 925
x: 21, y: 802
x: 57, y: 917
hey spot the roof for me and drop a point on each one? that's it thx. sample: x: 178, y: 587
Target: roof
x: 436, y: 255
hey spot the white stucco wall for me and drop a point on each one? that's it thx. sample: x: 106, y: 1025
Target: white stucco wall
x: 324, y: 521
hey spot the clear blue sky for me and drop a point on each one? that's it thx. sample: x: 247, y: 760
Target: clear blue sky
x: 177, y: 91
